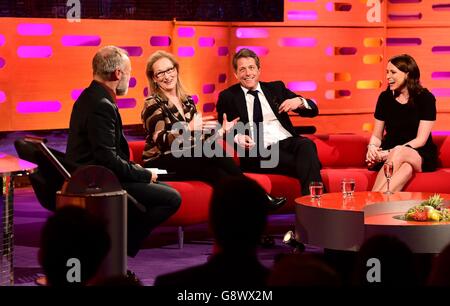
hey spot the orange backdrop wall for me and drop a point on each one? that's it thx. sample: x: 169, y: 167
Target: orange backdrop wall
x: 334, y: 53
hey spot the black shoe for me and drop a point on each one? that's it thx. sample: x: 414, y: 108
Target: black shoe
x: 290, y: 240
x: 132, y: 278
x: 275, y: 202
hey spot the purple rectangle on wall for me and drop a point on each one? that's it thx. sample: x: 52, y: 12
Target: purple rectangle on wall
x: 404, y: 16
x: 160, y: 41
x: 297, y: 42
x: 346, y: 50
x: 2, y: 62
x: 38, y: 107
x: 441, y: 92
x: 302, y: 86
x: 2, y: 40
x: 132, y: 83
x: 405, y: 1
x: 208, y: 88
x: 440, y: 75
x: 80, y: 40
x: 403, y: 41
x: 186, y: 51
x: 34, y: 29
x: 252, y: 33
x: 440, y: 49
x: 2, y: 97
x: 438, y: 133
x: 302, y: 15
x: 133, y: 50
x: 441, y: 7
x: 206, y: 41
x: 34, y: 51
x: 209, y: 107
x: 222, y: 78
x: 186, y: 32
x: 260, y: 51
x: 76, y: 93
x: 222, y: 51
x: 126, y: 103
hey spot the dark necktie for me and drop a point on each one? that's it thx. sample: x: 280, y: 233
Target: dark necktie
x: 257, y: 118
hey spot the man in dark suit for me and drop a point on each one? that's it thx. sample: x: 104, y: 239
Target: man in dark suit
x: 96, y: 138
x: 264, y: 107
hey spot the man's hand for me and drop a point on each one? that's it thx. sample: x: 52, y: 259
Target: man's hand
x: 291, y: 104
x: 154, y: 178
x: 227, y: 125
x: 244, y: 141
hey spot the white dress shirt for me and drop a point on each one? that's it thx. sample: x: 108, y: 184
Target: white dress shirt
x: 273, y: 130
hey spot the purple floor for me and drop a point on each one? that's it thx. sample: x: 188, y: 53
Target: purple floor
x: 159, y: 255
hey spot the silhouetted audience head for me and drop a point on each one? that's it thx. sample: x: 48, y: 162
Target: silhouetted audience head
x: 119, y: 281
x: 238, y: 214
x: 72, y: 233
x: 302, y: 270
x: 385, y: 261
x: 440, y: 270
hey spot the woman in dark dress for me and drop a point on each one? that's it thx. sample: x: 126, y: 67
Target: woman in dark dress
x: 170, y: 107
x: 404, y: 116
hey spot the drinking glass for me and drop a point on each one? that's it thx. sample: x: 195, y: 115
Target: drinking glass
x: 388, y: 169
x: 348, y: 187
x: 316, y: 189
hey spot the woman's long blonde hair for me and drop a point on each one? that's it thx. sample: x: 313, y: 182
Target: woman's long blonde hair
x: 153, y: 86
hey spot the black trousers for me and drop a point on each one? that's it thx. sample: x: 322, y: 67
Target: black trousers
x: 207, y: 169
x: 297, y: 158
x: 148, y: 206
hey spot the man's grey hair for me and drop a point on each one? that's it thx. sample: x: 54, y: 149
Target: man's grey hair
x: 107, y: 60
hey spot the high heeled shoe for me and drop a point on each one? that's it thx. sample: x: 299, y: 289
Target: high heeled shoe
x: 275, y: 203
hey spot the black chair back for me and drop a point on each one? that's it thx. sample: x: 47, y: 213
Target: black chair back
x: 49, y: 177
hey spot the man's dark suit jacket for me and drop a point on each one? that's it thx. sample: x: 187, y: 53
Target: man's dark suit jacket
x: 232, y: 102
x: 96, y: 136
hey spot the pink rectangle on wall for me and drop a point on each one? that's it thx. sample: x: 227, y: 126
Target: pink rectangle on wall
x: 186, y: 51
x: 34, y: 29
x: 302, y: 15
x: 206, y: 41
x: 257, y: 49
x: 80, y: 40
x: 252, y: 33
x: 38, y: 107
x: 34, y: 51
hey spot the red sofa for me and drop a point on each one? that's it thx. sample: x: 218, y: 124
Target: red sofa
x: 342, y: 156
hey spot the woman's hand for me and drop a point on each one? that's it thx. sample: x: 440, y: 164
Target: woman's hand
x: 373, y: 154
x: 209, y: 123
x: 202, y: 123
x: 196, y: 123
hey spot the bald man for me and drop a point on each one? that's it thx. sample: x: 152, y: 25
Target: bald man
x: 96, y: 138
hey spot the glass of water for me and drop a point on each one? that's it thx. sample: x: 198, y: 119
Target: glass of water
x: 348, y: 187
x: 316, y: 189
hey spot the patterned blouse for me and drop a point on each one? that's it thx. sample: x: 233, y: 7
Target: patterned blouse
x: 158, y: 116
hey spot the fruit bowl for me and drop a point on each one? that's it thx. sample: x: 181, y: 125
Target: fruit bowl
x: 431, y: 209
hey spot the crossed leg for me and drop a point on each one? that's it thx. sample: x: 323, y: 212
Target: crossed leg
x: 406, y: 161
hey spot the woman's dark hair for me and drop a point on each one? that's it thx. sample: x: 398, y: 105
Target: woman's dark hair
x: 407, y: 64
